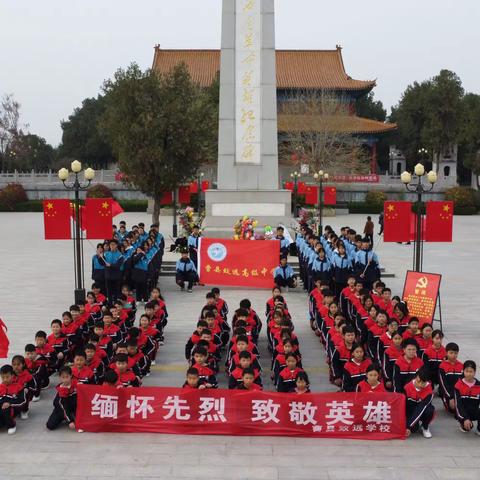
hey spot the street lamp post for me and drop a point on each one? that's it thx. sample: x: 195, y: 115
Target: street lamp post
x: 419, y: 188
x: 295, y: 175
x: 175, y: 200
x: 320, y: 177
x: 199, y: 192
x: 77, y: 186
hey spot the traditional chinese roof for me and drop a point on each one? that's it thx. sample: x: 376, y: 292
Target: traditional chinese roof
x: 341, y: 123
x: 296, y: 69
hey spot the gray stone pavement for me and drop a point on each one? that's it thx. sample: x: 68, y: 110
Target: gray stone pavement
x: 36, y: 283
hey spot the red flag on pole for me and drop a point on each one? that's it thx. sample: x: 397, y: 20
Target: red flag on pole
x: 439, y: 224
x: 194, y: 187
x: 184, y: 194
x: 167, y: 198
x: 56, y: 219
x: 311, y: 197
x: 4, y: 341
x: 289, y: 186
x: 98, y: 218
x: 330, y: 196
x: 83, y: 222
x: 116, y: 208
x: 205, y: 185
x: 396, y: 221
x: 413, y: 227
x: 301, y: 188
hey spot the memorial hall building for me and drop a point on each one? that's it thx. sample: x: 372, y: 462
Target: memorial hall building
x: 297, y: 71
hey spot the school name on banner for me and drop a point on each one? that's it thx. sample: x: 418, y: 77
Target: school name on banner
x: 232, y: 412
x: 421, y: 292
x: 241, y: 263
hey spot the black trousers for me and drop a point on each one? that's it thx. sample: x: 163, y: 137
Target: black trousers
x: 183, y: 277
x: 113, y: 289
x: 6, y: 417
x: 426, y: 418
x: 284, y: 282
x: 63, y: 411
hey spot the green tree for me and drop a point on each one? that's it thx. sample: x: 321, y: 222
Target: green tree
x: 368, y: 107
x: 161, y: 128
x: 82, y: 138
x: 31, y: 152
x: 470, y: 134
x: 429, y: 115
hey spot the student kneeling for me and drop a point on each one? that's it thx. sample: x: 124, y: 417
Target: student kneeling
x: 284, y: 275
x: 420, y: 411
x: 186, y: 271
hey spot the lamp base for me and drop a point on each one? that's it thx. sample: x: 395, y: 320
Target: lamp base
x: 79, y: 295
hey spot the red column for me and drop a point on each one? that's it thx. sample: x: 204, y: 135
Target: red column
x: 373, y: 162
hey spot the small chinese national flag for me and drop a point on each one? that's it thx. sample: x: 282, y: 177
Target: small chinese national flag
x: 289, y: 186
x: 330, y: 196
x: 184, y: 194
x: 56, y: 218
x: 396, y: 226
x: 116, y: 208
x: 194, y: 187
x: 301, y: 188
x: 205, y: 185
x: 167, y: 198
x: 439, y: 225
x: 4, y: 342
x: 311, y: 197
x: 98, y: 218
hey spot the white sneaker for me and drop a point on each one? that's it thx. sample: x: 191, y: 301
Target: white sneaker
x: 12, y: 430
x: 189, y: 290
x: 36, y: 399
x: 426, y: 433
x: 80, y: 430
x: 153, y: 362
x: 23, y: 415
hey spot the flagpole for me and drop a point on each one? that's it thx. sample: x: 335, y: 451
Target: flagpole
x: 76, y: 186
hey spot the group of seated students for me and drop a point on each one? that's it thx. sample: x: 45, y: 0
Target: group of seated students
x: 372, y: 344
x: 94, y: 342
x: 210, y: 342
x: 130, y: 257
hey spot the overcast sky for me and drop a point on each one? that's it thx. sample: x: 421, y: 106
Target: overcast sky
x: 54, y: 53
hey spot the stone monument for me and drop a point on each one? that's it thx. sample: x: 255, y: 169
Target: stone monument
x: 248, y: 182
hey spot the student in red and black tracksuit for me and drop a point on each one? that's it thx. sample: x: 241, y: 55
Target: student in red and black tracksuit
x: 104, y: 341
x: 248, y: 381
x: 342, y: 354
x: 11, y: 396
x: 126, y: 377
x: 65, y: 402
x: 81, y: 372
x: 372, y: 382
x: 287, y: 377
x: 206, y: 374
x: 37, y: 369
x: 24, y: 378
x: 95, y: 363
x: 355, y: 370
x: 449, y: 372
x: 434, y: 355
x: 138, y: 362
x: 390, y: 356
x: 236, y: 376
x: 46, y: 354
x: 194, y: 339
x: 192, y: 382
x: 467, y: 398
x: 221, y: 304
x: 59, y: 342
x: 72, y: 331
x: 406, y: 366
x: 420, y: 411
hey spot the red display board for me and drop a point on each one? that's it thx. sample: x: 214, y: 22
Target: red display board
x: 240, y: 263
x: 421, y: 292
x: 368, y: 416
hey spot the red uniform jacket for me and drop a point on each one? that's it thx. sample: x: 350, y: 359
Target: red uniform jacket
x: 365, y: 387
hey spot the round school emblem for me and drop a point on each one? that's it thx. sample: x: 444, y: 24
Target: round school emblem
x: 217, y: 252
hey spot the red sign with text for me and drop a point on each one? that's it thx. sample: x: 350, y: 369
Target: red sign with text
x: 368, y: 416
x: 420, y: 292
x: 239, y: 263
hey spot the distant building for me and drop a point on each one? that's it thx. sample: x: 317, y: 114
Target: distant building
x: 297, y: 71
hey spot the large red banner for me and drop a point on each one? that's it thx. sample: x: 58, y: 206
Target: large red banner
x: 420, y: 292
x: 369, y: 416
x: 240, y: 263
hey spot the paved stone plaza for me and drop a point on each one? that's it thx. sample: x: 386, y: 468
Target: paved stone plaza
x: 36, y: 286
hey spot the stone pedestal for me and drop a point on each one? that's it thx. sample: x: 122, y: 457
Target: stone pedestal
x: 248, y: 182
